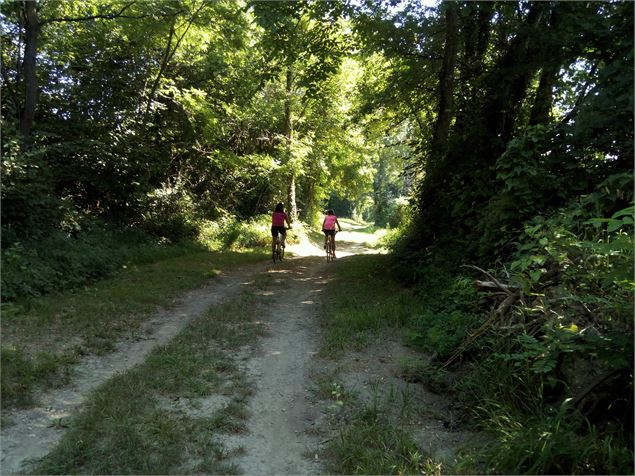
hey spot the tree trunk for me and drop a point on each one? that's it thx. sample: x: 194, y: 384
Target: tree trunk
x: 292, y: 206
x: 482, y: 137
x: 510, y: 81
x: 552, y: 61
x: 541, y: 109
x: 446, y: 81
x: 32, y: 29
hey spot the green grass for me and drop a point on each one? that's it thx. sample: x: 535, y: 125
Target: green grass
x: 559, y: 442
x: 43, y: 337
x: 132, y: 425
x: 372, y: 438
x: 21, y: 373
x: 372, y: 445
x: 363, y: 301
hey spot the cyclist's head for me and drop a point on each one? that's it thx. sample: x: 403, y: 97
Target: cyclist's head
x: 279, y: 208
x: 330, y: 212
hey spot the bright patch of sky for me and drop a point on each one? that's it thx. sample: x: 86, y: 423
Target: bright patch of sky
x: 397, y: 6
x: 400, y: 5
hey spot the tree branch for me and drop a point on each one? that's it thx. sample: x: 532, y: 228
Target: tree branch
x: 581, y: 98
x: 164, y: 63
x: 429, y: 57
x: 500, y: 286
x: 416, y: 116
x: 107, y: 16
x: 169, y: 53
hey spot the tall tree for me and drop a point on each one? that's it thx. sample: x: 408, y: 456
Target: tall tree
x: 32, y: 24
x: 303, y: 47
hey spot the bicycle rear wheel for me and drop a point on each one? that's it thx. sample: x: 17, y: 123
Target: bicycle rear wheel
x: 278, y: 251
x: 329, y: 251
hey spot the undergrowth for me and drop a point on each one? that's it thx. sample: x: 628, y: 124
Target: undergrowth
x: 69, y: 259
x: 550, y: 375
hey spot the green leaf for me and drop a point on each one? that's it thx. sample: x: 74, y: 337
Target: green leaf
x: 535, y: 275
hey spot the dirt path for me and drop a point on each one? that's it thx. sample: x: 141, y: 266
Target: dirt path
x: 35, y: 431
x: 287, y: 422
x: 282, y: 409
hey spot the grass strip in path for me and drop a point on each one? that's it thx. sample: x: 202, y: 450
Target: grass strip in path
x: 42, y: 338
x: 165, y: 415
x: 363, y: 301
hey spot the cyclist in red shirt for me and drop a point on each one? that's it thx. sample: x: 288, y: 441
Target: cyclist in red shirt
x: 278, y: 217
x: 328, y: 228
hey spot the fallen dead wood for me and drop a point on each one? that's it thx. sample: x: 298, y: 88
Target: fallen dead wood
x: 492, y: 286
x: 493, y: 283
x: 510, y: 293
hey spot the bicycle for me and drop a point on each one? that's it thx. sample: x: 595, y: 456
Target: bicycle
x: 278, y: 251
x: 330, y: 248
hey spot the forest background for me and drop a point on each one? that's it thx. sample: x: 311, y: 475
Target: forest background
x: 489, y: 134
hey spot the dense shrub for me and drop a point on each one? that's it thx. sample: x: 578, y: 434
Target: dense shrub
x: 450, y: 311
x: 88, y: 251
x: 231, y: 233
x: 63, y: 260
x: 170, y: 213
x: 552, y: 377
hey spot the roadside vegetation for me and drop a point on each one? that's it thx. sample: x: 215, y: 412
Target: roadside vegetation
x: 547, y: 373
x: 376, y: 439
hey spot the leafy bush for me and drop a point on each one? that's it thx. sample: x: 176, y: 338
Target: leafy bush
x: 29, y: 206
x: 554, y: 378
x: 450, y: 311
x: 392, y: 213
x: 170, y: 213
x: 62, y: 260
x: 233, y: 234
x: 558, y: 385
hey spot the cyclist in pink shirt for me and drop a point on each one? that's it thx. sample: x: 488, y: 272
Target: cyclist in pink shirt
x: 278, y: 217
x: 328, y: 228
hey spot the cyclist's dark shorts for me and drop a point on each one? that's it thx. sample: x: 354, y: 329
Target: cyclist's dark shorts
x: 328, y: 232
x: 278, y: 229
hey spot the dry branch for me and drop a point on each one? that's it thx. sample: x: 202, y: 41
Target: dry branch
x: 511, y: 295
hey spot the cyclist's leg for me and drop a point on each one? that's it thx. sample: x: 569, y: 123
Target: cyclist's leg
x: 333, y: 244
x: 274, y: 239
x: 283, y: 237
